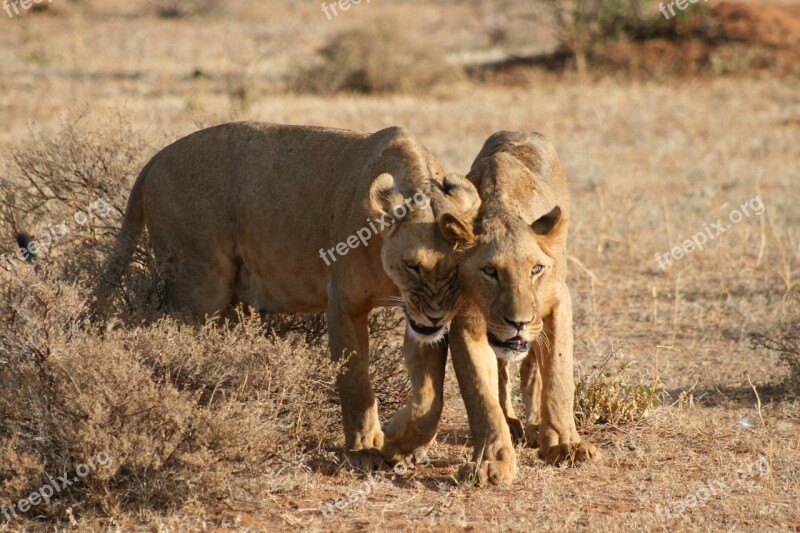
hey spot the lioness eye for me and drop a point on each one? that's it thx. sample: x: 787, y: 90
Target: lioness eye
x: 411, y: 266
x: 490, y: 271
x: 536, y: 270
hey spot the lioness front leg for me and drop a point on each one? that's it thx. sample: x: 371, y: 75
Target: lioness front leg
x: 493, y: 459
x: 504, y: 386
x: 414, y: 425
x: 531, y: 388
x: 349, y: 337
x: 558, y: 437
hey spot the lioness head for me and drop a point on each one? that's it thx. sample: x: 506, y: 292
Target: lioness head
x: 509, y: 275
x: 421, y: 255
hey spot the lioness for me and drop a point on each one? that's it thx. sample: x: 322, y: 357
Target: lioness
x: 275, y: 216
x: 517, y: 305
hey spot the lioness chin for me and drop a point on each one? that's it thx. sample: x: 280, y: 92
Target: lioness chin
x: 270, y: 215
x: 517, y: 306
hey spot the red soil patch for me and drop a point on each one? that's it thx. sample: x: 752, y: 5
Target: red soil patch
x: 730, y: 38
x: 775, y: 26
x: 737, y: 38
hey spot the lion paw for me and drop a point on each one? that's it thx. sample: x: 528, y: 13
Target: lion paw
x: 366, y: 460
x: 516, y: 429
x: 569, y: 454
x: 487, y: 472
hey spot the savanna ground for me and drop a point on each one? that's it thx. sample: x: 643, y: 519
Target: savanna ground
x: 238, y: 429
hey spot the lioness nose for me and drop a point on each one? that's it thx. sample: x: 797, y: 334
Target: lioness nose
x: 516, y: 323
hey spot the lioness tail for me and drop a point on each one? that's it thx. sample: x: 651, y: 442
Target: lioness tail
x: 127, y: 239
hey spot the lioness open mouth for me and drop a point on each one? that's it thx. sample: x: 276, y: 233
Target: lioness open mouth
x: 516, y: 344
x: 424, y: 330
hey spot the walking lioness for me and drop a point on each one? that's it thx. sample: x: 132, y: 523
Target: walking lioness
x: 518, y: 306
x: 515, y: 280
x: 275, y: 216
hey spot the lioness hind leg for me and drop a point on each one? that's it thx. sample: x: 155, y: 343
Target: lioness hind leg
x: 202, y: 285
x: 414, y: 425
x: 531, y: 388
x: 504, y: 387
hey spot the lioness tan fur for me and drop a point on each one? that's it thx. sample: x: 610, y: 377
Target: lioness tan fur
x: 257, y: 213
x: 517, y: 305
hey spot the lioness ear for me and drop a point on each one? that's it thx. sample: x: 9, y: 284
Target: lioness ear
x: 384, y: 196
x: 456, y: 231
x: 462, y: 195
x: 544, y: 224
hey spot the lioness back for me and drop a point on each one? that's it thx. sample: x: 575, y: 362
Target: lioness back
x: 521, y: 172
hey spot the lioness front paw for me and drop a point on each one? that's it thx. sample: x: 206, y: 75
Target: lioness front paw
x: 400, y: 442
x: 366, y: 460
x: 570, y: 454
x: 393, y: 453
x: 516, y: 429
x: 485, y: 472
x: 396, y: 452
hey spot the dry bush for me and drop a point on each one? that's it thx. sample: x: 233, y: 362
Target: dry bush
x: 387, y: 366
x: 580, y: 26
x: 223, y: 414
x: 787, y: 345
x: 609, y: 397
x: 184, y: 413
x: 76, y: 181
x: 381, y: 58
x: 56, y: 177
x: 185, y: 8
x: 68, y: 192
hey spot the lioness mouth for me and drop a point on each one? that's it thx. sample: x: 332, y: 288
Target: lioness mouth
x: 423, y: 330
x: 517, y: 344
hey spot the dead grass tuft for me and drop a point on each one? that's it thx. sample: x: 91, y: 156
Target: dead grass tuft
x: 610, y: 396
x: 787, y: 345
x: 381, y: 58
x: 169, y: 9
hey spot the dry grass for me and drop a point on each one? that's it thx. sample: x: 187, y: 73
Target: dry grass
x: 237, y: 427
